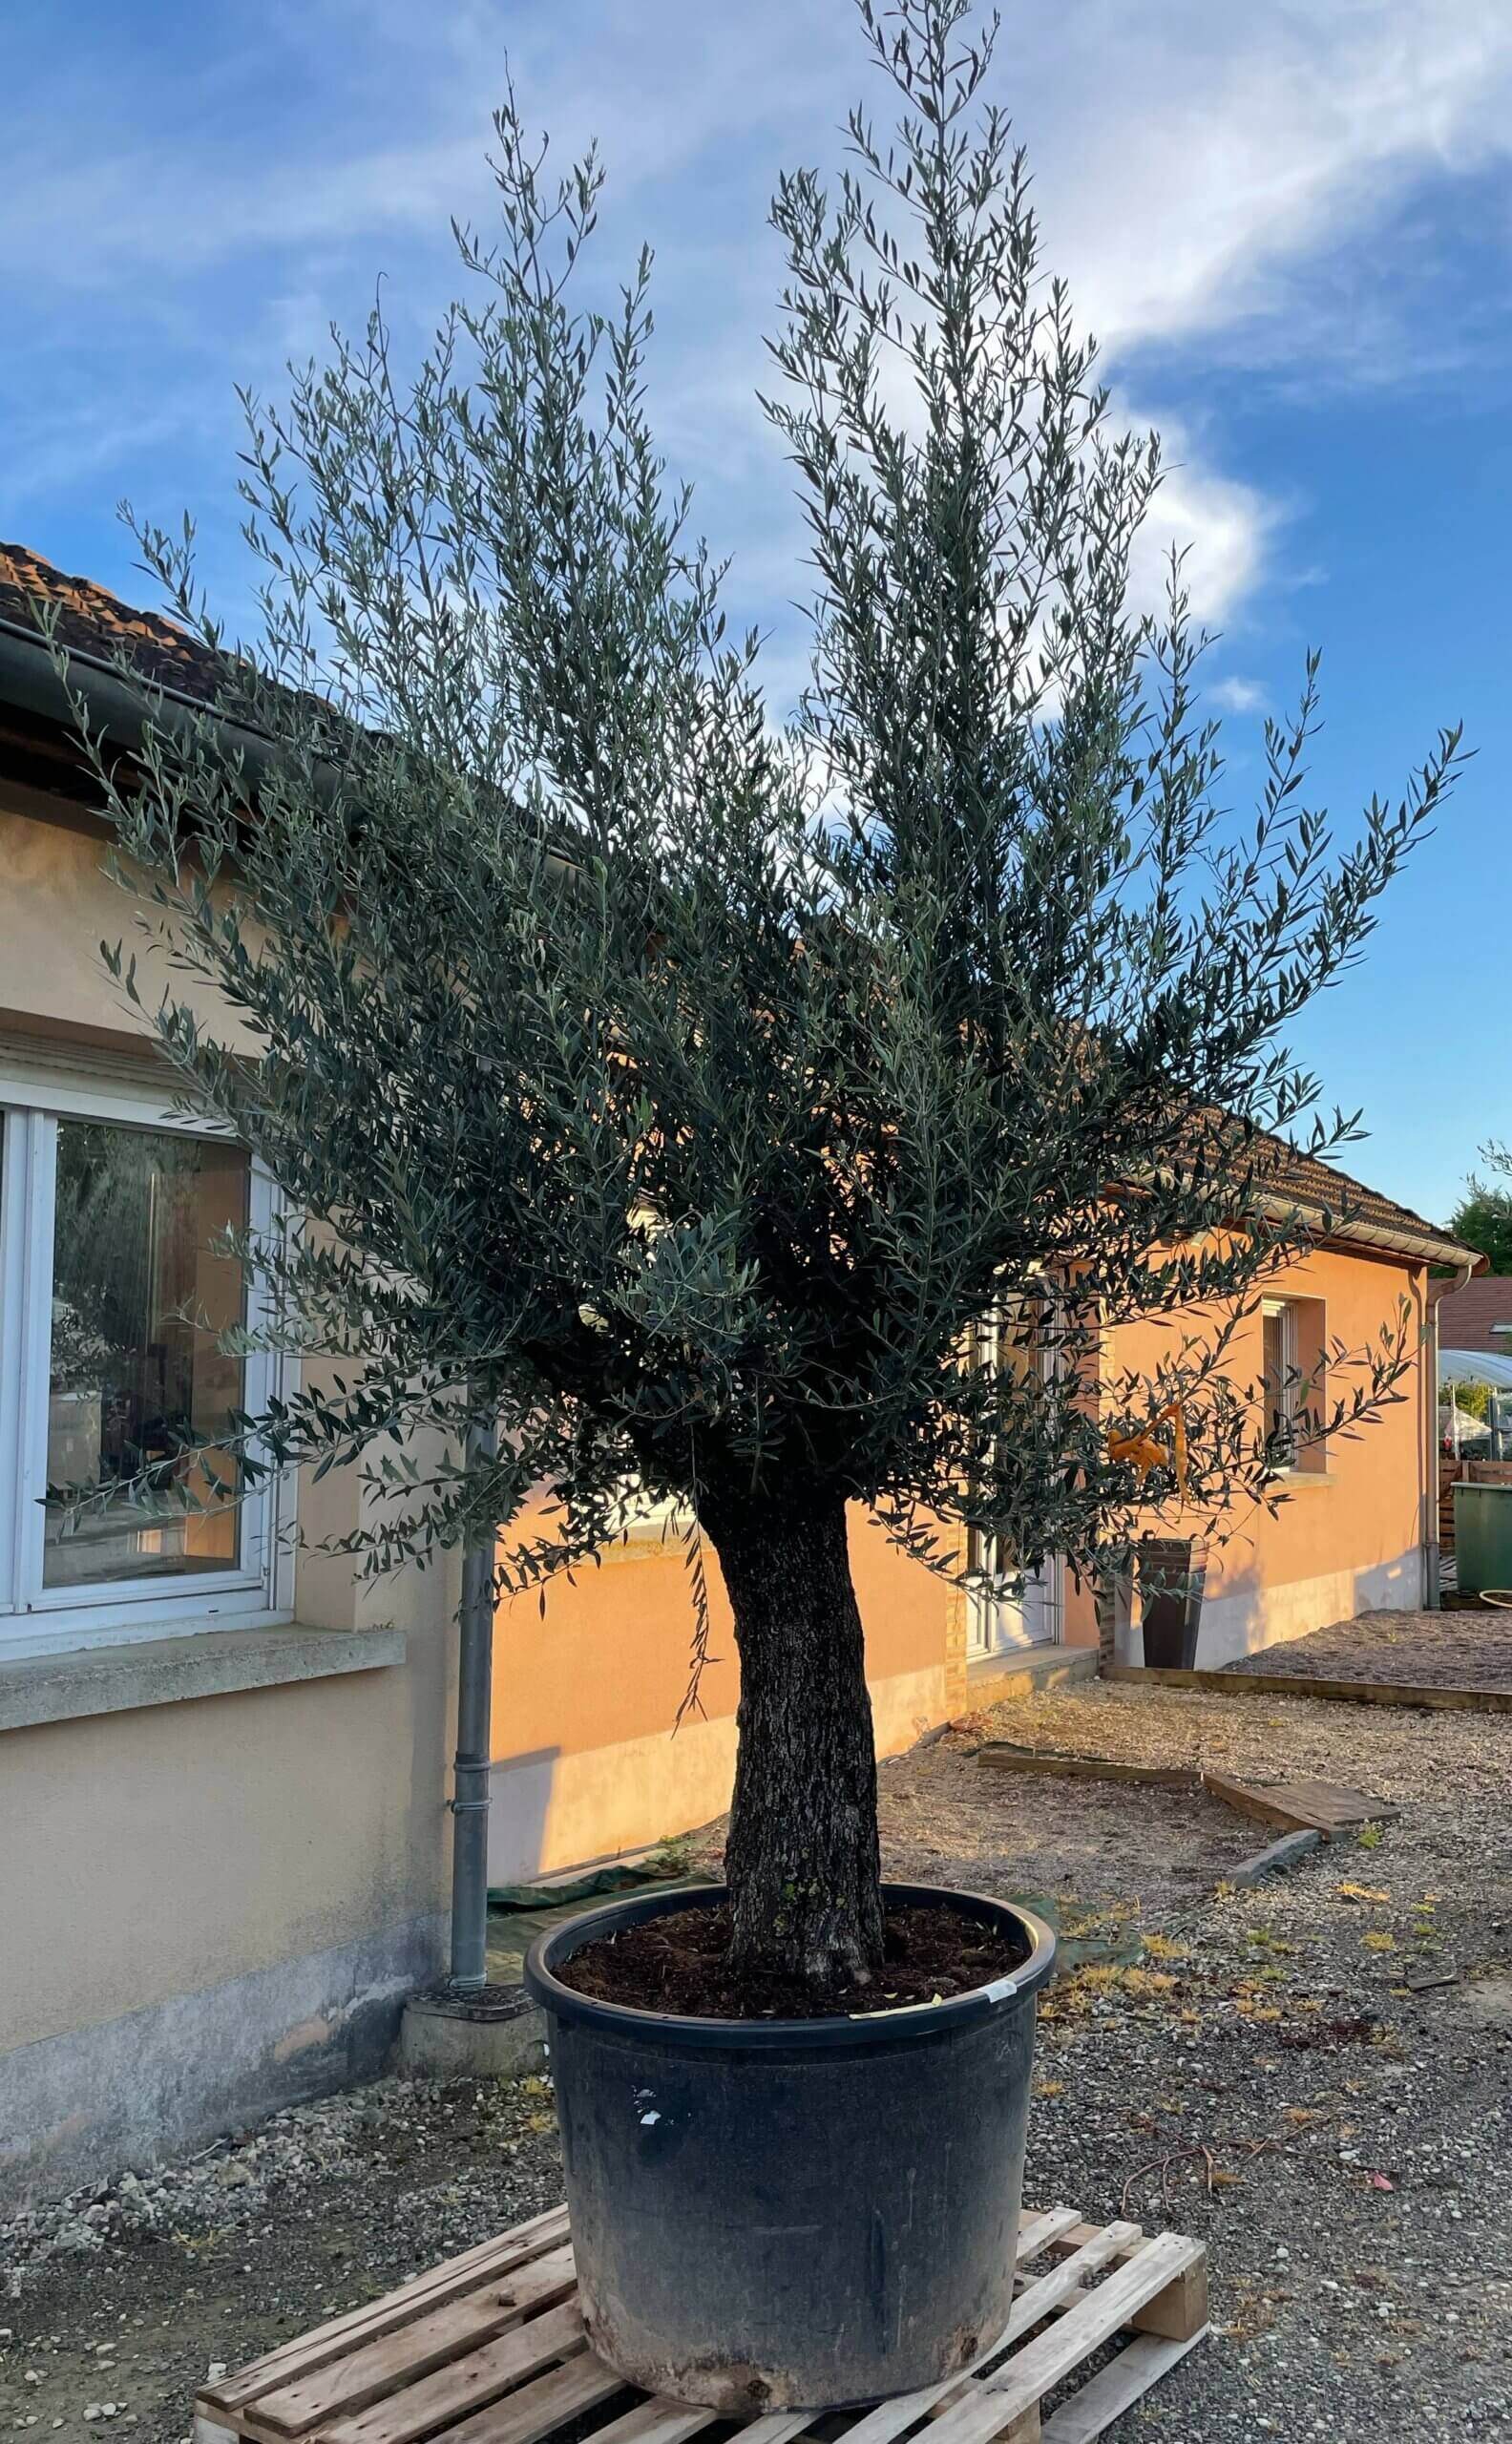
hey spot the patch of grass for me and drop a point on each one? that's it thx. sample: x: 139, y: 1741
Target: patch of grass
x: 1146, y: 1981
x: 1107, y: 1981
x: 1265, y: 1939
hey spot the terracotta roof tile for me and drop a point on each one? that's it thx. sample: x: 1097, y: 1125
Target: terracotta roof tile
x: 93, y: 621
x: 1314, y: 1182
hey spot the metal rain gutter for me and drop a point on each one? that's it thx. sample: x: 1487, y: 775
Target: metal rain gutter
x: 30, y: 681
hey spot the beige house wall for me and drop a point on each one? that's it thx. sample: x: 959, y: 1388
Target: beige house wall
x: 585, y: 1699
x: 209, y: 1904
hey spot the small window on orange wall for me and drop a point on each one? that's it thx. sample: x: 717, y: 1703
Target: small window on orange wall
x: 1295, y: 1381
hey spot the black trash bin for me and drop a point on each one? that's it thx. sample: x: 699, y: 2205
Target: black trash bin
x: 1172, y: 1573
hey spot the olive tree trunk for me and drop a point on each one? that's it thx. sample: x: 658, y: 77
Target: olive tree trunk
x: 803, y: 1862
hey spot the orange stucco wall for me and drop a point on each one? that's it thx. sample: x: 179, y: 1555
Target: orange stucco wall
x: 586, y: 1762
x: 586, y: 1699
x: 1346, y: 1538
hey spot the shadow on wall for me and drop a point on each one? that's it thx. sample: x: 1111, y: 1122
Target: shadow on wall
x: 519, y: 1811
x: 555, y: 1807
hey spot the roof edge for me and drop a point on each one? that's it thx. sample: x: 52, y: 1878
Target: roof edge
x: 1427, y: 1244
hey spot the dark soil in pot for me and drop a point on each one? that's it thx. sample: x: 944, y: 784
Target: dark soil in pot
x: 782, y: 2212
x: 680, y: 1964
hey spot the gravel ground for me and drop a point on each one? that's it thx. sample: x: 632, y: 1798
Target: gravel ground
x: 1338, y: 2139
x: 116, y: 2305
x: 1460, y: 1649
x: 1276, y: 2074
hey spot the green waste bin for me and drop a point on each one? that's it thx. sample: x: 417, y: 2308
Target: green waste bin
x: 1482, y: 1516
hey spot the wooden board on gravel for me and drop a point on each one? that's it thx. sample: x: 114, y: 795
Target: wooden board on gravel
x: 1304, y: 1804
x: 1009, y: 1757
x: 1300, y: 1684
x: 491, y: 2349
x: 1466, y: 1646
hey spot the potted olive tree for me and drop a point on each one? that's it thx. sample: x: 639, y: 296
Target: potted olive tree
x: 671, y: 1093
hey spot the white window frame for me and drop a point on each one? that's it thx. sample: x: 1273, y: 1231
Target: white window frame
x: 1292, y: 1393
x: 1284, y: 1394
x: 991, y: 1618
x: 35, y: 1619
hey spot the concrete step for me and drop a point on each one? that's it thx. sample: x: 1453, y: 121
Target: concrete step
x: 1025, y: 1671
x: 497, y: 2034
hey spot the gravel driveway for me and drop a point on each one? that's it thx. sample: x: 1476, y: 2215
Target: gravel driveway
x: 1463, y: 1649
x: 1275, y: 2073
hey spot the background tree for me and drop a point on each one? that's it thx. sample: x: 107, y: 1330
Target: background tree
x: 666, y: 1094
x: 1482, y: 1218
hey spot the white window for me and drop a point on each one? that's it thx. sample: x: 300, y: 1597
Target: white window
x: 1278, y: 1326
x: 1294, y: 1382
x: 998, y: 1620
x: 111, y: 1381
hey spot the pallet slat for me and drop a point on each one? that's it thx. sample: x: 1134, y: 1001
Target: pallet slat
x: 465, y: 2273
x: 1038, y: 2232
x: 1053, y: 2289
x: 411, y: 2352
x: 525, y: 2416
x: 892, y: 2419
x: 490, y: 2348
x: 1115, y: 2388
x: 656, y: 2420
x: 439, y: 2400
x: 994, y: 2402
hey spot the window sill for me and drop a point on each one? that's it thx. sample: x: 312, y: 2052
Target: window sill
x: 660, y: 1536
x: 161, y: 1671
x: 1291, y: 1479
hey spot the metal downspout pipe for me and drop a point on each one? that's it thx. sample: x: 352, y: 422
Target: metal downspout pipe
x: 469, y: 1799
x: 1433, y: 1588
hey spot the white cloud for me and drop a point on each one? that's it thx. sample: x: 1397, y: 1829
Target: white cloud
x: 1186, y: 159
x: 1222, y: 527
x: 1192, y: 159
x: 1205, y: 177
x: 1237, y: 695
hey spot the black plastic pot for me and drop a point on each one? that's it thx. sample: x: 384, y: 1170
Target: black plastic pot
x: 1172, y: 1573
x: 792, y: 2214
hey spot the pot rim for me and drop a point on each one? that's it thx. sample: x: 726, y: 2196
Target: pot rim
x: 910, y: 2023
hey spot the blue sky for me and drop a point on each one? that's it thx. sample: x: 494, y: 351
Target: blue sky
x: 1291, y: 225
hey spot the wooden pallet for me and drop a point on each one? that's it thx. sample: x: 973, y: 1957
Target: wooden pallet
x: 490, y: 2348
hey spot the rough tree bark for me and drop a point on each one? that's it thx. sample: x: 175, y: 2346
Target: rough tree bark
x: 802, y: 1860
